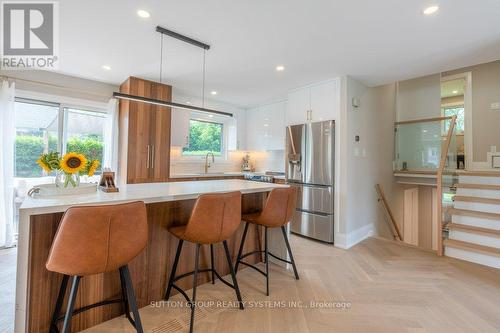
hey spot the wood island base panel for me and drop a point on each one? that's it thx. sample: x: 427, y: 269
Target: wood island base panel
x: 149, y: 270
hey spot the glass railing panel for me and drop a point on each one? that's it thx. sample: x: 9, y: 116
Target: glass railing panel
x: 418, y: 145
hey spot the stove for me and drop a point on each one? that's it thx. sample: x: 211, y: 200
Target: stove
x: 259, y: 178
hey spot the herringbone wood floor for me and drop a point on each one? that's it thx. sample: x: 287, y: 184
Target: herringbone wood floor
x: 391, y: 288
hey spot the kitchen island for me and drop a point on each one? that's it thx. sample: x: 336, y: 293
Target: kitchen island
x: 167, y: 204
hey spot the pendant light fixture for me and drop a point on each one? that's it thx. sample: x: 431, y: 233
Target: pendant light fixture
x: 159, y: 102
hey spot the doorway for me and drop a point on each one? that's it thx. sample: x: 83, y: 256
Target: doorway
x: 456, y: 101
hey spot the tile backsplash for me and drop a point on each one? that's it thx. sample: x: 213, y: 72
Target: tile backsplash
x: 260, y: 160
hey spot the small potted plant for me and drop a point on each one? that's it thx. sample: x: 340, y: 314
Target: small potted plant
x: 68, y: 168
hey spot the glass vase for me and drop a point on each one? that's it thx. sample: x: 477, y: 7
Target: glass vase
x: 64, y: 180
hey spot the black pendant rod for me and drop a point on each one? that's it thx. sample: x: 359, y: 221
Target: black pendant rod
x: 168, y: 104
x: 183, y: 38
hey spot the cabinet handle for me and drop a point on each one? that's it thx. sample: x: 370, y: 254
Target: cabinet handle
x: 310, y: 114
x: 153, y: 157
x: 149, y: 155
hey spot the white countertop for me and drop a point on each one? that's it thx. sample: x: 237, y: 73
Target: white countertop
x: 149, y: 193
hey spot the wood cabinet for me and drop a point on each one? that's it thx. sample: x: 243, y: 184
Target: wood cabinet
x: 314, y: 103
x: 266, y: 127
x: 145, y: 133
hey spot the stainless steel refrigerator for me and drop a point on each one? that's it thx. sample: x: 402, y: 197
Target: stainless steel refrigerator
x: 310, y: 156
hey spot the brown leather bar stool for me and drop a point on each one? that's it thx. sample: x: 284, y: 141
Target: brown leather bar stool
x: 277, y: 212
x: 94, y: 240
x: 215, y: 217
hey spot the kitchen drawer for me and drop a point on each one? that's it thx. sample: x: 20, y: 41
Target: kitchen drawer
x: 315, y: 198
x: 315, y: 226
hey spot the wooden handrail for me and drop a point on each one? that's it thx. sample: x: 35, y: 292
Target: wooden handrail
x: 439, y: 190
x: 381, y: 197
x: 424, y: 120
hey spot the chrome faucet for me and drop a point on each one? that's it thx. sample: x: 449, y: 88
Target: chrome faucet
x: 207, y: 163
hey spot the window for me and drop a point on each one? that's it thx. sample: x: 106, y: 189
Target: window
x: 43, y: 127
x: 37, y: 132
x: 204, y: 137
x: 85, y: 133
x: 456, y: 110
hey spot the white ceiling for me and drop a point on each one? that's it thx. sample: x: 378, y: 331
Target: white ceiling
x: 376, y: 42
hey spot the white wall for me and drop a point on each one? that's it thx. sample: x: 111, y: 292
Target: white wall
x: 44, y: 82
x: 419, y: 98
x: 367, y: 162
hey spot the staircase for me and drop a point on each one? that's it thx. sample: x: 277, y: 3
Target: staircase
x: 474, y: 230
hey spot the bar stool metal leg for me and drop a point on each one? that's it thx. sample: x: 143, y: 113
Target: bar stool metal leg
x: 233, y: 275
x: 266, y: 250
x: 59, y: 303
x: 283, y: 230
x: 195, y: 282
x: 131, y: 298
x: 71, y: 304
x: 240, y: 251
x: 212, y: 262
x: 125, y: 298
x: 174, y: 268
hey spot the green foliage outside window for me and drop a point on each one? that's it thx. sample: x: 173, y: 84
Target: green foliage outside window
x: 91, y: 146
x: 204, y: 137
x: 455, y: 111
x: 29, y: 147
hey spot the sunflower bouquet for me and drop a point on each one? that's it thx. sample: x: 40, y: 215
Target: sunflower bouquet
x: 69, y: 167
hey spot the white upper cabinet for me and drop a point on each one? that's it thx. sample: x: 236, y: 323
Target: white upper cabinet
x: 179, y: 134
x: 314, y: 103
x: 298, y: 106
x: 325, y: 101
x: 266, y: 127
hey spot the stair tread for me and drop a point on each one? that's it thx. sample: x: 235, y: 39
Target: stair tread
x: 476, y: 199
x: 492, y: 251
x: 479, y: 173
x: 479, y: 186
x: 474, y: 229
x: 474, y: 213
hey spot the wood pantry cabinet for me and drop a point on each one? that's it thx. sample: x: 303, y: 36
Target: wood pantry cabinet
x: 145, y: 133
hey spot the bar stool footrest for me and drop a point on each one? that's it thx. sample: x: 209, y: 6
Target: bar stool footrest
x: 91, y: 306
x: 206, y: 270
x: 254, y: 267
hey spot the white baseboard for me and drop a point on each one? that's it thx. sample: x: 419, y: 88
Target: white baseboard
x: 346, y: 241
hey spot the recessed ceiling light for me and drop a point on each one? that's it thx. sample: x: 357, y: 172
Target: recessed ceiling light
x: 106, y: 67
x: 213, y: 92
x: 431, y: 10
x: 188, y: 102
x: 142, y: 13
x: 280, y: 68
x: 210, y: 115
x: 455, y: 91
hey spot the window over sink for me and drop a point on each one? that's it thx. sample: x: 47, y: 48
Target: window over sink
x: 204, y: 137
